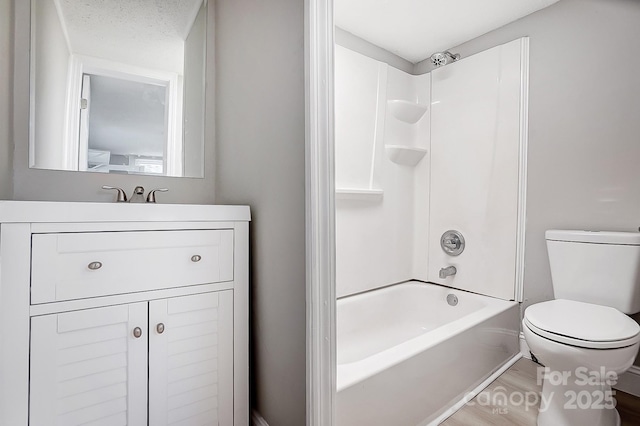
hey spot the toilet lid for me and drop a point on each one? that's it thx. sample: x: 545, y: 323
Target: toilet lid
x: 582, y: 324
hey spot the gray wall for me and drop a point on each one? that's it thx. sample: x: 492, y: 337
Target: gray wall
x: 6, y: 74
x: 360, y: 45
x: 424, y: 66
x: 260, y: 162
x: 584, y: 122
x: 32, y: 184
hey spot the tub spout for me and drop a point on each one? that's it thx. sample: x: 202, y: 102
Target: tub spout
x: 445, y: 272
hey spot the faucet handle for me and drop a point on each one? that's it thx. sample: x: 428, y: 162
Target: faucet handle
x: 452, y: 243
x: 121, y: 197
x: 151, y: 198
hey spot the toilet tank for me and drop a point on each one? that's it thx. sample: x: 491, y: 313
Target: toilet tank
x: 596, y: 267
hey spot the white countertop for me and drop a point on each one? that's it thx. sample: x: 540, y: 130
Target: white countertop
x: 53, y: 211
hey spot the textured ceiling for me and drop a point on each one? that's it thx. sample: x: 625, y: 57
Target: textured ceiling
x: 147, y: 33
x: 415, y: 29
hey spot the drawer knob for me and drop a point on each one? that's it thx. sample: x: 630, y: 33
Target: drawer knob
x: 160, y: 328
x: 196, y: 258
x: 95, y: 265
x: 137, y: 332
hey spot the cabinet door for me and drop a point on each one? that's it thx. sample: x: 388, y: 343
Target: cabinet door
x: 89, y: 367
x: 191, y: 360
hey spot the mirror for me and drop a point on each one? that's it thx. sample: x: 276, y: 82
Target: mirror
x: 118, y: 86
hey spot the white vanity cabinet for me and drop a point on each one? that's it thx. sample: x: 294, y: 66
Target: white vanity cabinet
x: 123, y: 314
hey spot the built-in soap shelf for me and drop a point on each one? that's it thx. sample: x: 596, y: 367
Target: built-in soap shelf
x: 409, y: 112
x: 359, y: 194
x: 405, y: 155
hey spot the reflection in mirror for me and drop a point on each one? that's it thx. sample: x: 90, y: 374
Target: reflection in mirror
x: 118, y: 86
x: 136, y: 111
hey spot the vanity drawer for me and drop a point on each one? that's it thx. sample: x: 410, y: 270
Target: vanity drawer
x: 80, y: 265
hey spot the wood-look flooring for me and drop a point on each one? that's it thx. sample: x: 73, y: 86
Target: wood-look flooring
x: 521, y: 378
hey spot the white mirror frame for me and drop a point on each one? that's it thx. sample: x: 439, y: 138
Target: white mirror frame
x: 320, y: 213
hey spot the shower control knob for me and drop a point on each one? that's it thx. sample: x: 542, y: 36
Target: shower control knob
x: 452, y: 242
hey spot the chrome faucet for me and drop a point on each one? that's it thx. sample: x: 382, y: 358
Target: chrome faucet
x: 137, y: 196
x: 448, y: 271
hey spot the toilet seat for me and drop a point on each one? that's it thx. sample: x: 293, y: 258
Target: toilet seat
x: 582, y: 324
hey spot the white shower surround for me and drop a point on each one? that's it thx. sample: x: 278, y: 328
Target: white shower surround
x: 478, y: 169
x: 376, y: 182
x: 402, y: 352
x: 472, y: 178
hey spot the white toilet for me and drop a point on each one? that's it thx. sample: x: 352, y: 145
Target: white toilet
x: 584, y: 338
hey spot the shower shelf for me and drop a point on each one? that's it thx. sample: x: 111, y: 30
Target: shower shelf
x: 359, y: 194
x: 405, y: 155
x: 409, y: 112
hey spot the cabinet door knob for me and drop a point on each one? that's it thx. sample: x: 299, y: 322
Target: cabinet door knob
x: 94, y: 265
x: 196, y: 258
x: 137, y: 332
x: 160, y: 328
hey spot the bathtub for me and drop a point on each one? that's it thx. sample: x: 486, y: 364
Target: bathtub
x: 405, y: 356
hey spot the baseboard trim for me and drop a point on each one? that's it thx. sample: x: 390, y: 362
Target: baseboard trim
x: 524, y: 348
x: 629, y: 381
x: 257, y: 419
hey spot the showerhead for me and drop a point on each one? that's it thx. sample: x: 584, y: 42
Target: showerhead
x: 440, y: 59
